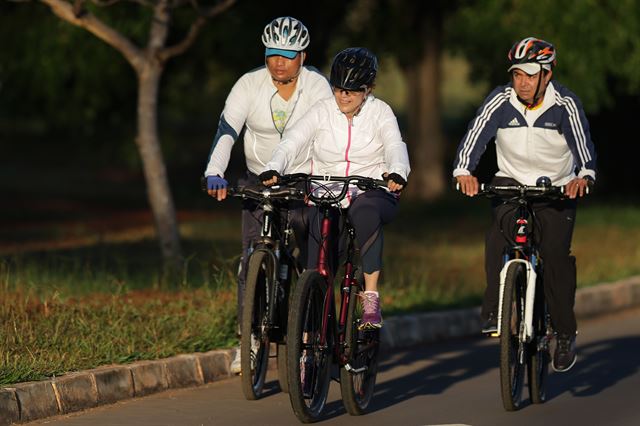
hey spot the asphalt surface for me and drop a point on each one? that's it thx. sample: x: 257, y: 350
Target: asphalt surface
x: 455, y: 382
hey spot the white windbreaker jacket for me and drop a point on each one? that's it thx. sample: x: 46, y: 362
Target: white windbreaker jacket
x: 552, y: 140
x: 249, y: 105
x: 370, y: 146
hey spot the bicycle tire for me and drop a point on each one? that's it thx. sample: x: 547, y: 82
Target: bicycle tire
x: 539, y: 356
x: 308, y: 393
x: 362, y: 348
x: 283, y: 377
x: 254, y: 361
x: 512, y: 363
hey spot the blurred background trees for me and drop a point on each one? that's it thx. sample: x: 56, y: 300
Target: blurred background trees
x: 68, y: 101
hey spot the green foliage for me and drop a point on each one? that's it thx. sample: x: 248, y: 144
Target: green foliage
x: 51, y: 73
x: 597, y: 41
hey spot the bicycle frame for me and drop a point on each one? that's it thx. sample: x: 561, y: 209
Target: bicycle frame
x: 276, y: 246
x: 530, y: 260
x: 329, y: 309
x: 523, y: 250
x: 348, y: 281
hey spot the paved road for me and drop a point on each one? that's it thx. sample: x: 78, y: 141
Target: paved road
x: 448, y: 383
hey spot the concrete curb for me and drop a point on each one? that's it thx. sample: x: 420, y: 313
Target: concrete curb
x: 105, y: 385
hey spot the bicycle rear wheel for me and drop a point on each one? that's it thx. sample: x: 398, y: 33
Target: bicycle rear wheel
x: 254, y: 341
x: 539, y: 356
x: 358, y: 376
x: 512, y: 356
x: 308, y: 362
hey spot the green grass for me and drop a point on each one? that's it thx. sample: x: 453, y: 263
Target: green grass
x: 98, y: 297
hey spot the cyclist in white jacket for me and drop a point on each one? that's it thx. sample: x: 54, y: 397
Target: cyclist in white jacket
x: 540, y: 129
x: 352, y: 134
x: 264, y: 102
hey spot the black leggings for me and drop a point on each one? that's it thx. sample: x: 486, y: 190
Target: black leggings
x: 367, y: 214
x: 556, y: 220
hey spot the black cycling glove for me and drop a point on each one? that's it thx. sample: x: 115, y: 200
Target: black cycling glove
x: 268, y: 175
x: 397, y: 179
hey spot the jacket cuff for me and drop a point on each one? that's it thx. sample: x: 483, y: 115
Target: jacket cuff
x: 461, y: 172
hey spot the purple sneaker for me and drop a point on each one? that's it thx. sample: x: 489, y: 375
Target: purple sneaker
x: 372, y: 316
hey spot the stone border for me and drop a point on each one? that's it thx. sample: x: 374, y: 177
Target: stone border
x: 105, y: 385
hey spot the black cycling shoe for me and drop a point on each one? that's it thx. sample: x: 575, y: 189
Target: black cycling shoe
x: 491, y: 325
x: 565, y: 355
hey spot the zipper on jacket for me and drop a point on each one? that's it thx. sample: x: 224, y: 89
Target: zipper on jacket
x: 346, y: 153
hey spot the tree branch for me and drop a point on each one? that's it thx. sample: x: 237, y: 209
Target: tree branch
x: 65, y: 11
x: 194, y: 30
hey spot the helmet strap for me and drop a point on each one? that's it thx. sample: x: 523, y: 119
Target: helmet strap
x: 537, y: 93
x: 364, y: 100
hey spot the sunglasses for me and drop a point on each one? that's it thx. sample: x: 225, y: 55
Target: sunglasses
x: 347, y: 92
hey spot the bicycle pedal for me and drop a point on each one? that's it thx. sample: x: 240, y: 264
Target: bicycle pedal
x: 496, y: 334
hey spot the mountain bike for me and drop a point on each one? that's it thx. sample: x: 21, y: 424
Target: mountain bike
x: 271, y: 269
x: 524, y: 322
x: 321, y: 335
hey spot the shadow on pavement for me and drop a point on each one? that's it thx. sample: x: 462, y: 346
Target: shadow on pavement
x: 600, y: 365
x: 438, y: 375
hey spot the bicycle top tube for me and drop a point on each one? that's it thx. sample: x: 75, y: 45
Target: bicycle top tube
x: 330, y: 196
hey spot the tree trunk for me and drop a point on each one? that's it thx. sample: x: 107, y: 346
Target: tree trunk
x: 426, y: 150
x: 155, y: 172
x: 148, y: 65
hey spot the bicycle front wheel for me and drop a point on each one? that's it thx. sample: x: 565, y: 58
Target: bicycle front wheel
x: 283, y: 378
x: 254, y: 341
x: 539, y: 356
x: 358, y: 375
x: 308, y: 361
x: 512, y: 350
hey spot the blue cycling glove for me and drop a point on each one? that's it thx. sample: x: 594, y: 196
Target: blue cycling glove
x: 216, y: 182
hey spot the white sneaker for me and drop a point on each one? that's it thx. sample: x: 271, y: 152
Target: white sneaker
x: 235, y: 367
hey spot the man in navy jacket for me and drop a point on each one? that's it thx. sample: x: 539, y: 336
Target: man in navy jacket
x: 540, y: 129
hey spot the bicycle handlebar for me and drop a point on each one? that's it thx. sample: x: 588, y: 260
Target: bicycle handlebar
x: 260, y: 192
x: 522, y: 190
x: 361, y: 182
x: 284, y: 189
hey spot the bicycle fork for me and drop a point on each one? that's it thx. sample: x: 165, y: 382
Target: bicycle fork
x: 526, y: 331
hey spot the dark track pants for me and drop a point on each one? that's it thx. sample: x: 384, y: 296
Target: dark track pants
x: 555, y: 221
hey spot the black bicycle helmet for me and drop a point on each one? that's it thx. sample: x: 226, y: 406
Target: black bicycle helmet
x: 354, y: 68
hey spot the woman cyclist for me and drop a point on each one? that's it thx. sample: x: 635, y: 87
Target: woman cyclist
x: 352, y: 134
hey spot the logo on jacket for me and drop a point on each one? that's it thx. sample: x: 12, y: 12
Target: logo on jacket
x: 514, y: 122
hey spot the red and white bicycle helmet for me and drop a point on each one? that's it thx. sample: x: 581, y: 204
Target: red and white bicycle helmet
x: 285, y: 36
x: 532, y: 55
